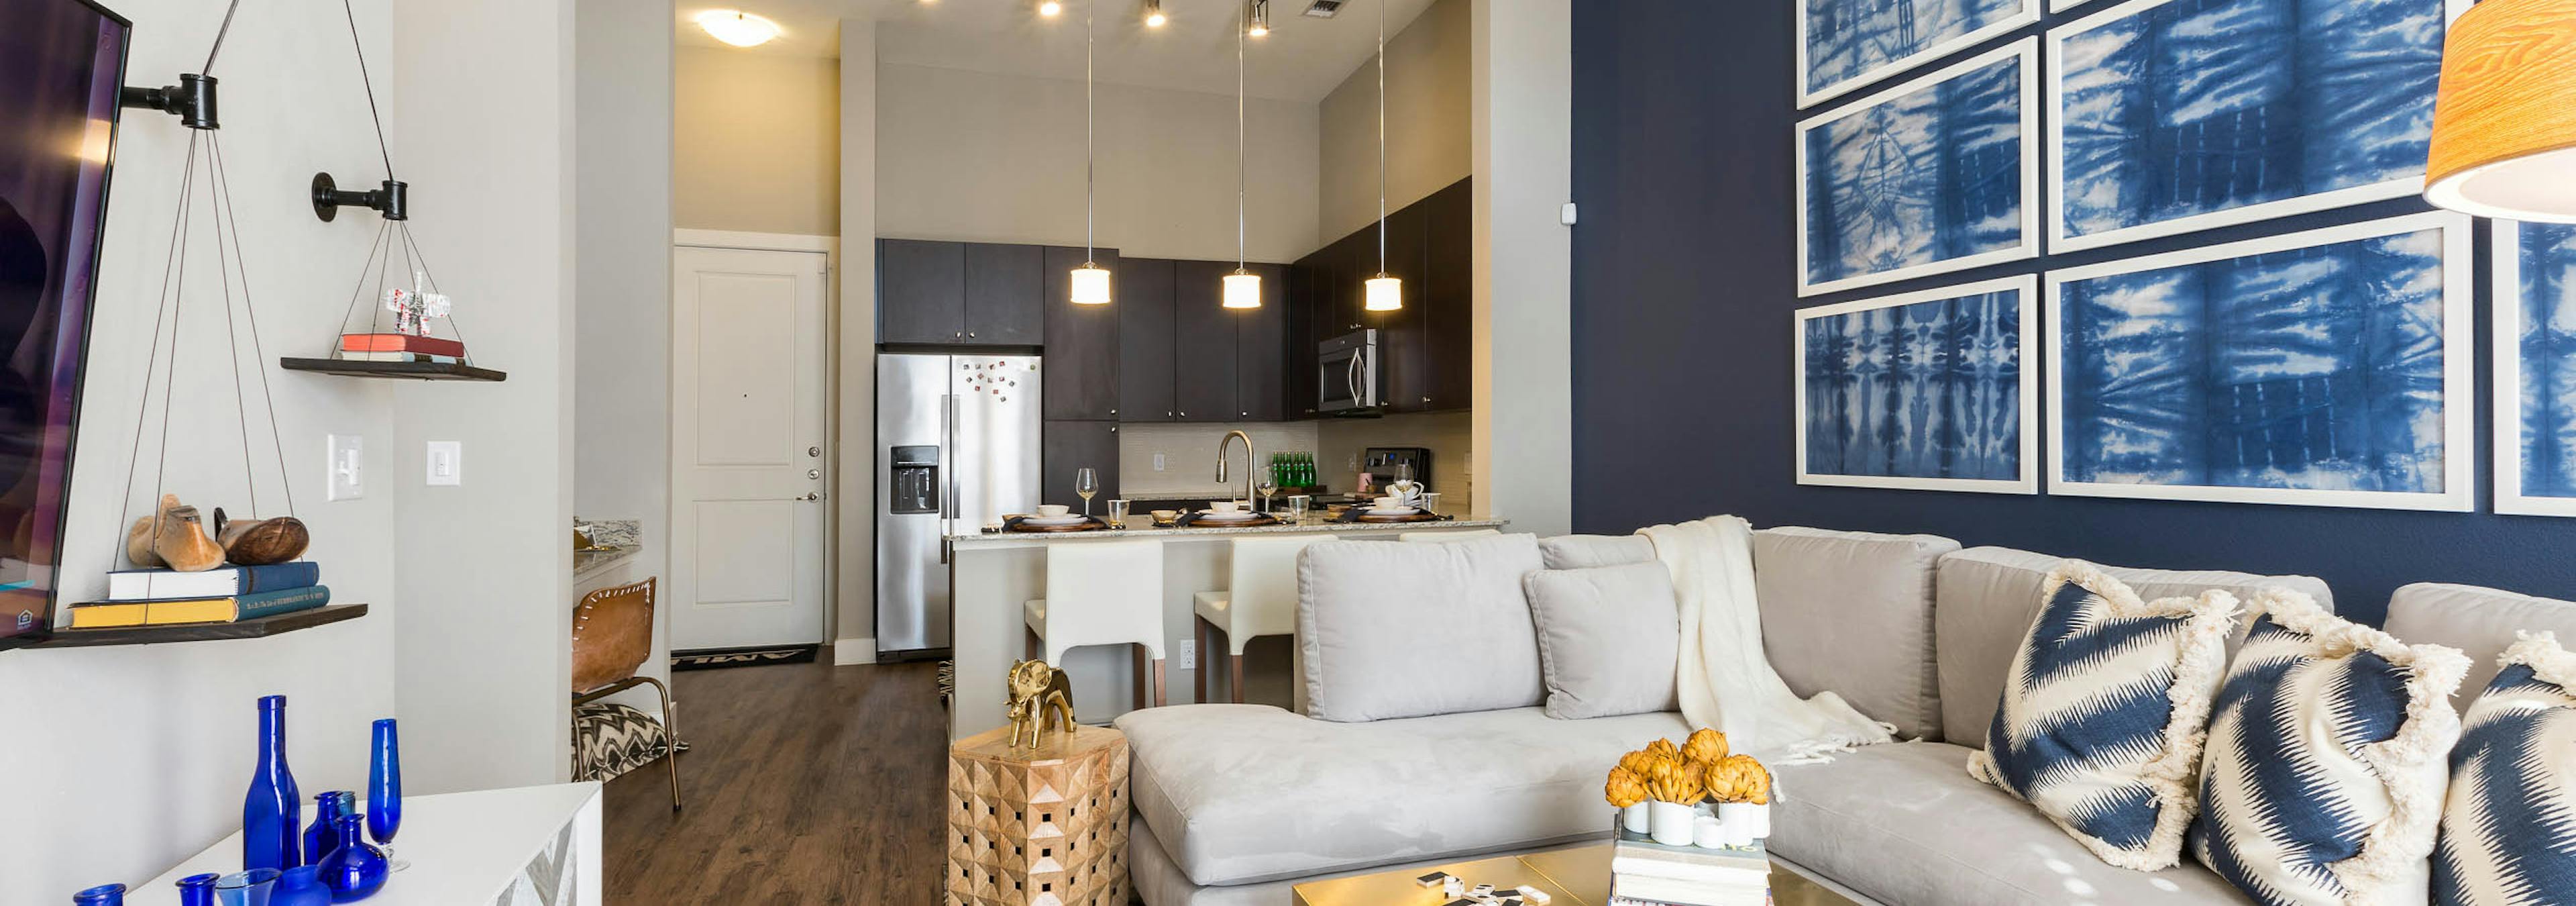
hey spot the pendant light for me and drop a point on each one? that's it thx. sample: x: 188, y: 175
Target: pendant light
x: 2504, y: 137
x: 1385, y: 292
x: 1243, y: 287
x: 1090, y: 281
x: 1260, y: 19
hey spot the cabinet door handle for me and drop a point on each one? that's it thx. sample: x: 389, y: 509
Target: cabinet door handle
x: 970, y: 335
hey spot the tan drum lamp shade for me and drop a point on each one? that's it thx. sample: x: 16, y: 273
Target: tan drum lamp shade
x: 2504, y: 128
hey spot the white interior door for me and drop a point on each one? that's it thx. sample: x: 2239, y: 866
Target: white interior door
x: 748, y: 400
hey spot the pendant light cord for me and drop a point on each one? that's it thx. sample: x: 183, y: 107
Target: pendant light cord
x: 1381, y: 137
x: 1239, y: 8
x: 1089, y: 254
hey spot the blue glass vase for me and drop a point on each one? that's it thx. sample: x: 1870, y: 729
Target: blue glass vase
x: 247, y: 888
x: 272, y: 812
x: 300, y: 886
x: 327, y: 808
x: 384, y: 783
x: 101, y: 895
x: 198, y: 890
x: 355, y: 868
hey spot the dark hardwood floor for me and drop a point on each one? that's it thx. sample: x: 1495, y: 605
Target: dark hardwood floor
x: 805, y: 783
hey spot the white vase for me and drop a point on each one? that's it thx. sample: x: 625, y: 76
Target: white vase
x: 1755, y: 819
x: 1634, y: 818
x: 1671, y: 823
x: 1708, y: 833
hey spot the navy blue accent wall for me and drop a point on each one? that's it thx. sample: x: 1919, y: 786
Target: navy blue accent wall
x: 1684, y: 285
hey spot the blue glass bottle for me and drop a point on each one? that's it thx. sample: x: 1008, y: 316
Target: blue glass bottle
x: 198, y: 890
x: 355, y: 868
x: 318, y: 836
x: 272, y: 812
x: 101, y: 895
x: 384, y: 783
x: 301, y: 886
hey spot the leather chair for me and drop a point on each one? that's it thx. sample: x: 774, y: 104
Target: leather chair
x: 612, y: 635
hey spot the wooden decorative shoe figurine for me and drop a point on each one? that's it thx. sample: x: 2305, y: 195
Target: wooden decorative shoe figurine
x: 180, y: 539
x: 138, y: 543
x: 259, y: 542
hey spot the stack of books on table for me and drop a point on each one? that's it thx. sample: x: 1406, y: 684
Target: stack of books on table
x: 398, y: 347
x: 226, y: 594
x: 1646, y: 873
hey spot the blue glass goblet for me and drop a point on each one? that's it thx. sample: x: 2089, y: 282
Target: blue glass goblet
x: 384, y: 788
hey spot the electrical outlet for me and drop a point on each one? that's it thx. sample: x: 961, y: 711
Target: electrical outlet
x: 1159, y: 461
x: 446, y: 462
x: 1186, y: 651
x: 346, y: 461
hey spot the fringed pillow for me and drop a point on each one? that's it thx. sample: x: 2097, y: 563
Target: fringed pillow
x: 2100, y: 725
x: 2328, y: 755
x: 2509, y: 829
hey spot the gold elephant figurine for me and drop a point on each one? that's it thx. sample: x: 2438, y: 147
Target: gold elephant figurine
x: 1040, y: 697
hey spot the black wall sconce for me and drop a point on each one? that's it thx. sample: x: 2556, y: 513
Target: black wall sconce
x: 391, y: 199
x: 192, y: 100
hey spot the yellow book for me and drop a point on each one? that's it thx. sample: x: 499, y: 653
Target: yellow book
x: 176, y: 611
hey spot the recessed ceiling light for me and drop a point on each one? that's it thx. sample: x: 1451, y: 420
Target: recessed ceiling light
x: 737, y: 28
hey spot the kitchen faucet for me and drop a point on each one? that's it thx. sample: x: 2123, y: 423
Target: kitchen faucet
x: 1227, y: 442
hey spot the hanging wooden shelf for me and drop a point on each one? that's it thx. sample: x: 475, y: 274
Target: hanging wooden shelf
x: 201, y: 632
x: 423, y: 371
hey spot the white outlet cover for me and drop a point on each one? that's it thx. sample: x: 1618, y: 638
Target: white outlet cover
x: 1159, y: 462
x: 345, y: 462
x: 1187, y: 652
x: 446, y: 460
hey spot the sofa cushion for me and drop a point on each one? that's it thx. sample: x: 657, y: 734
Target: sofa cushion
x: 1239, y: 794
x: 2328, y: 753
x: 1407, y: 630
x: 1587, y: 551
x: 1989, y: 595
x: 1904, y: 824
x: 2481, y: 622
x: 2101, y: 722
x: 1608, y: 639
x: 2505, y: 837
x: 1851, y: 613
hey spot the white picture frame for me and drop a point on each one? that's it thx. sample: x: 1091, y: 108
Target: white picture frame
x: 2026, y: 14
x: 2507, y: 382
x: 2059, y: 241
x: 2026, y: 288
x: 2027, y: 52
x: 2459, y: 399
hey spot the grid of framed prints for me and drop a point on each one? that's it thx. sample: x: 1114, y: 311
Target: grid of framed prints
x: 2535, y: 369
x: 1844, y: 45
x: 1933, y: 176
x: 2322, y: 368
x: 1923, y: 391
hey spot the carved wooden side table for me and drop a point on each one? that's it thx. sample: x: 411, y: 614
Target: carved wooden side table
x: 1038, y: 827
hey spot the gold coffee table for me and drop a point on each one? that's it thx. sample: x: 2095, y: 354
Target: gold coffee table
x: 1574, y: 876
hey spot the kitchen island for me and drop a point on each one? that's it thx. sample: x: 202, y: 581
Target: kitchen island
x: 992, y: 574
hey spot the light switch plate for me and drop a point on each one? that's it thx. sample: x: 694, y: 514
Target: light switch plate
x: 446, y: 462
x: 346, y: 461
x: 1159, y: 462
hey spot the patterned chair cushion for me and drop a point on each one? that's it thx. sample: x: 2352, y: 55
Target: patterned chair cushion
x: 611, y: 739
x: 2100, y: 725
x: 2509, y: 829
x: 2328, y: 753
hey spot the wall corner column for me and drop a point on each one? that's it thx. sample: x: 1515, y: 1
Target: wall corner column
x: 1523, y: 460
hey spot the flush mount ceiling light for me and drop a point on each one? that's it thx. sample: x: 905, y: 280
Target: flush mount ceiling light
x: 1260, y: 19
x: 1090, y: 282
x: 1385, y: 292
x: 737, y: 28
x: 1154, y: 17
x: 2504, y: 136
x: 1243, y: 287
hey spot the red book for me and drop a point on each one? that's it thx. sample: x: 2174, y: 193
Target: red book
x: 399, y: 342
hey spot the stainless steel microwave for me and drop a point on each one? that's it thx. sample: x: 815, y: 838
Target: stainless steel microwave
x: 1347, y: 375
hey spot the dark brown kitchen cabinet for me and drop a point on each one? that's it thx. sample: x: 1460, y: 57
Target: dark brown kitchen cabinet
x: 1005, y: 294
x: 1204, y: 353
x: 1068, y: 446
x: 1449, y: 298
x: 1302, y: 383
x: 1261, y: 350
x: 1406, y: 367
x: 1081, y: 341
x: 1145, y: 336
x: 921, y: 292
x: 1426, y: 347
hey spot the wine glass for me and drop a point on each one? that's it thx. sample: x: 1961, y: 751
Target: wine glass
x: 1086, y: 483
x: 1268, y: 487
x: 384, y: 789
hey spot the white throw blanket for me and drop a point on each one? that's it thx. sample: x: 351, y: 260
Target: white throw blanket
x: 1726, y: 681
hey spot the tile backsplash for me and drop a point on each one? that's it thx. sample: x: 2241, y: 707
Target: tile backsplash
x: 1189, y: 455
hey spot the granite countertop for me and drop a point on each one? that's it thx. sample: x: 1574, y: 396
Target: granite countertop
x: 615, y: 540
x: 1138, y: 531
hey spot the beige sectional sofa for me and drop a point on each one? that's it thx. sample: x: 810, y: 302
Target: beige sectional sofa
x: 1236, y: 803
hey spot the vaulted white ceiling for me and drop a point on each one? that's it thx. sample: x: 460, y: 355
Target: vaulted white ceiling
x: 1302, y: 59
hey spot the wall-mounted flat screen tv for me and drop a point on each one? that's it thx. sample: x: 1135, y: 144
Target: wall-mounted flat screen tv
x: 62, y: 63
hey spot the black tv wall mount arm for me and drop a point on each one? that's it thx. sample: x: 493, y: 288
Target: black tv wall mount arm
x: 192, y: 100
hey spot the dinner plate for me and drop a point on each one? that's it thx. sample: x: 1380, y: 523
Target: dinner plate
x: 1398, y: 511
x: 1069, y: 519
x: 1227, y: 517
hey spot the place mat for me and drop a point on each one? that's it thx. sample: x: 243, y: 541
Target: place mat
x: 1186, y: 519
x: 1356, y: 514
x: 1090, y: 524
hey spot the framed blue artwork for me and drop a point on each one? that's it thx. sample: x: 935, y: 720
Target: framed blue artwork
x: 1936, y: 175
x: 2172, y: 116
x: 2325, y: 368
x: 1845, y: 45
x: 2535, y: 368
x: 2059, y: 6
x: 1922, y: 391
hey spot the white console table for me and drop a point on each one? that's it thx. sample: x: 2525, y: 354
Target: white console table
x: 531, y: 846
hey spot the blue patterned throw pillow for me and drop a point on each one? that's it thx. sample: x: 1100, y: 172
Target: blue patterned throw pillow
x: 2100, y: 726
x: 2328, y: 755
x: 2509, y: 829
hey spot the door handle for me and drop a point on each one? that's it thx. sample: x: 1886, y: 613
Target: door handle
x: 813, y: 473
x: 948, y: 455
x: 812, y: 496
x: 1352, y: 373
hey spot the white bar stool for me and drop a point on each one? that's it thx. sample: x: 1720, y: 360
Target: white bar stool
x: 1260, y: 599
x: 1446, y: 536
x: 1102, y: 593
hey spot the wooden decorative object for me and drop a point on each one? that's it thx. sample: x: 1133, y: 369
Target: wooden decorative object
x: 1038, y: 827
x: 260, y: 542
x: 179, y: 540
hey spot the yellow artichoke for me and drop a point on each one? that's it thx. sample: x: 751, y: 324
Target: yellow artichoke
x: 1705, y: 746
x: 1624, y: 789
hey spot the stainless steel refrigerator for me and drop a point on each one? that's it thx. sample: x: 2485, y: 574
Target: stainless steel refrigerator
x: 957, y: 447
